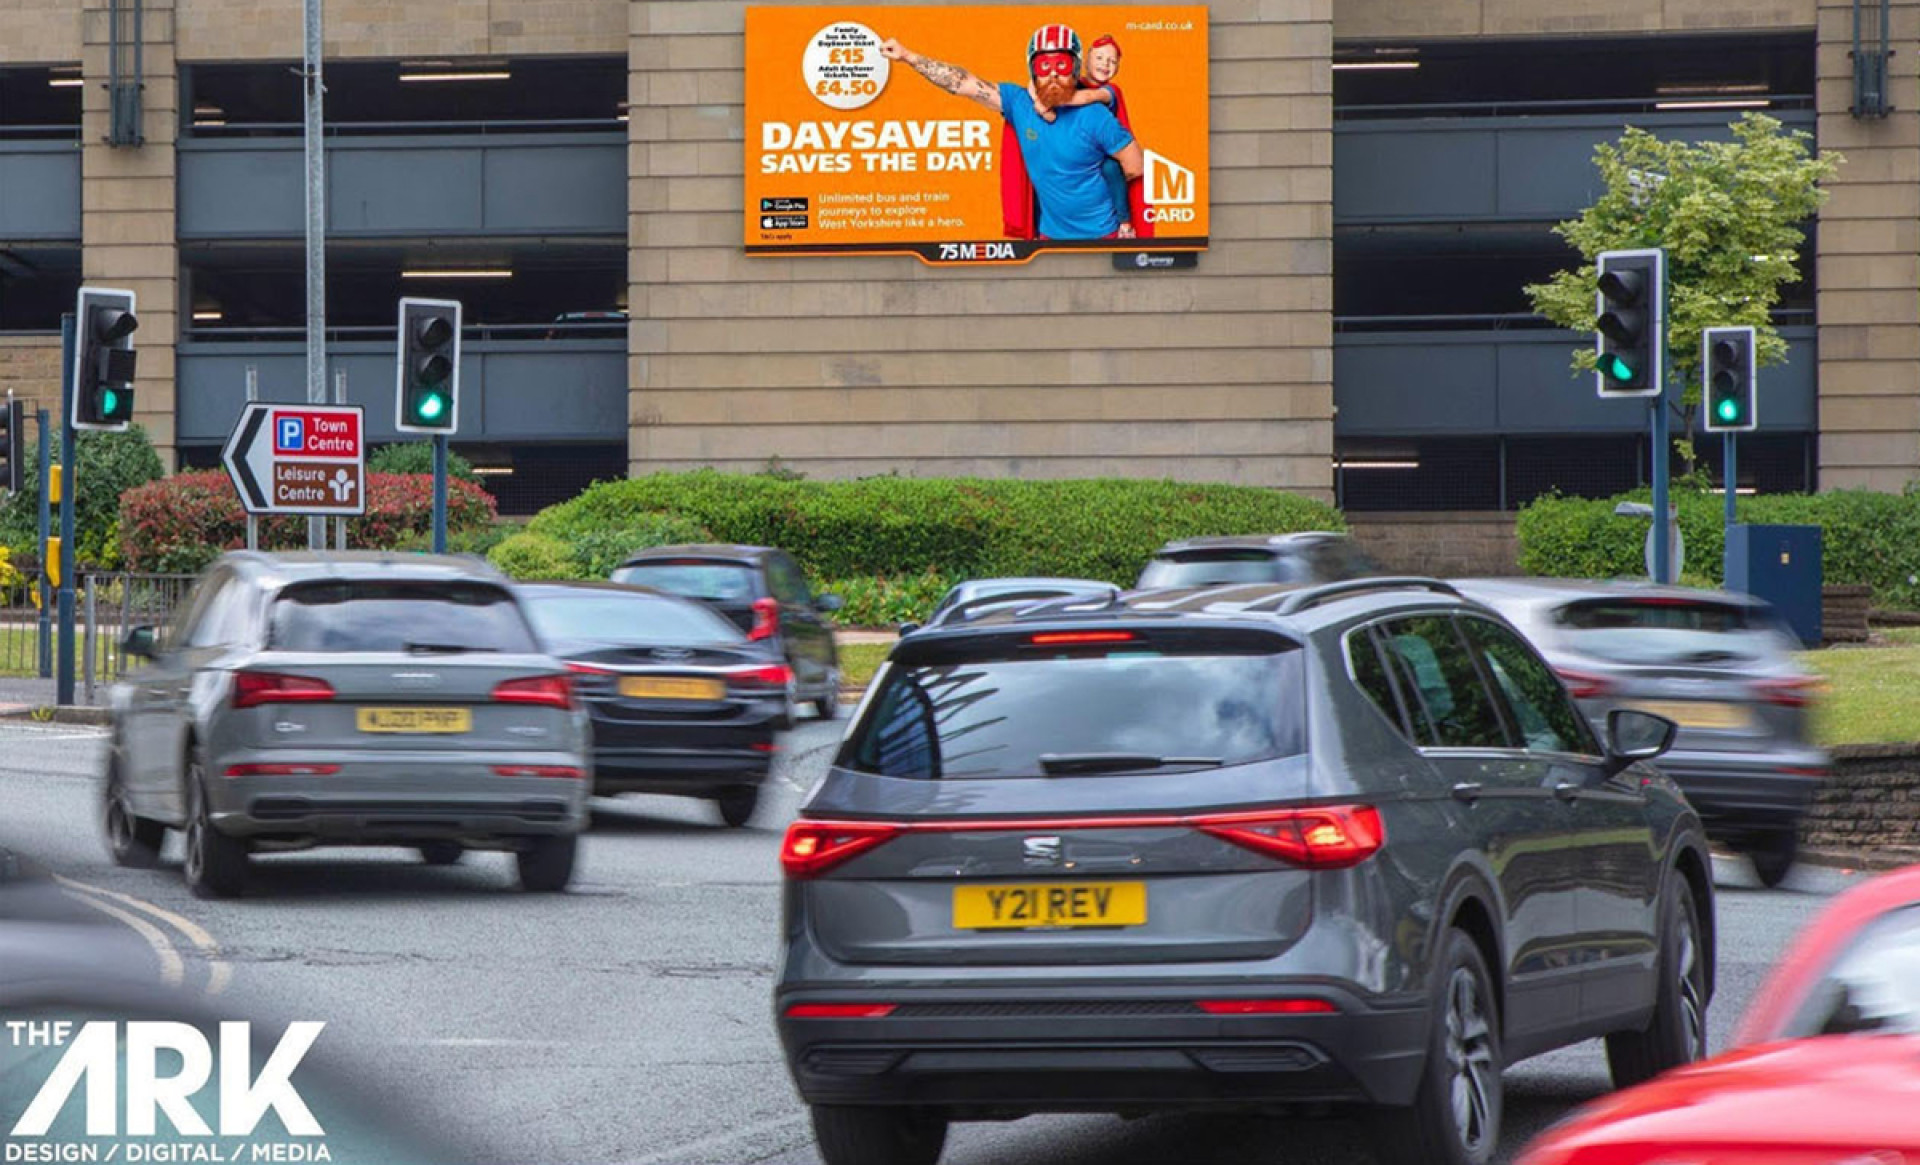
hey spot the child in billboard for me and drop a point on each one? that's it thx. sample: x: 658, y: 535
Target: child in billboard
x: 1097, y: 86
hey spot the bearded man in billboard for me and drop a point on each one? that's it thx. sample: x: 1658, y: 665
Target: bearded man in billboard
x: 1062, y: 157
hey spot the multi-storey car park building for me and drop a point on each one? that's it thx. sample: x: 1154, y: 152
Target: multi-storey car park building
x: 1384, y: 177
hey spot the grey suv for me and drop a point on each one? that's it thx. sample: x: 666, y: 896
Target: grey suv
x: 1313, y: 556
x: 1245, y: 849
x: 346, y: 699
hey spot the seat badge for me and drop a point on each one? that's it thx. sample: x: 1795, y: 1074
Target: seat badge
x: 1041, y: 851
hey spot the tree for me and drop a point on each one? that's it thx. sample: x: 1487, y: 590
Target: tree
x: 111, y: 463
x: 417, y: 457
x: 1730, y: 216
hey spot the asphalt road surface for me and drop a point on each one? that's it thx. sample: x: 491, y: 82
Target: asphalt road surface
x: 630, y: 1021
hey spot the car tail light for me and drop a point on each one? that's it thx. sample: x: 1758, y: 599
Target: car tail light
x: 1266, y: 1007
x: 840, y: 1010
x: 766, y: 619
x: 1583, y: 685
x: 253, y: 688
x: 773, y: 675
x: 765, y: 746
x: 587, y: 669
x: 282, y: 770
x: 811, y: 848
x: 564, y: 771
x: 1326, y: 837
x: 545, y: 691
x: 1791, y: 692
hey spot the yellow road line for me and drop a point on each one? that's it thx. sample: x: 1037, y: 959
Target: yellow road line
x: 172, y: 970
x: 219, y: 971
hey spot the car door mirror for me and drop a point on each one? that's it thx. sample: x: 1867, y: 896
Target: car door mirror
x: 139, y: 643
x: 1633, y: 735
x: 829, y: 602
x: 909, y: 628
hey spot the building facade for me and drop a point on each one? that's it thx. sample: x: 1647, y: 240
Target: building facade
x: 1384, y: 179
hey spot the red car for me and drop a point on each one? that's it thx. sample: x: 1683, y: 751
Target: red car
x: 1825, y: 1067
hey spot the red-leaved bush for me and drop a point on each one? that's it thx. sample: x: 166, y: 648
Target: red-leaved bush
x: 179, y: 524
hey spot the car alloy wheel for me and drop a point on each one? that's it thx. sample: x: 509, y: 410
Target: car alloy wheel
x: 1693, y: 988
x: 1470, y: 1060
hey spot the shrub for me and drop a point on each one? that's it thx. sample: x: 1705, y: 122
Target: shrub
x: 181, y: 523
x: 1866, y: 537
x: 893, y: 527
x: 417, y: 457
x: 887, y: 602
x: 110, y: 464
x: 531, y: 557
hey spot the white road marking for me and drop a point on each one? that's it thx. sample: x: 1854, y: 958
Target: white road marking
x: 680, y: 1153
x: 219, y: 971
x: 172, y: 970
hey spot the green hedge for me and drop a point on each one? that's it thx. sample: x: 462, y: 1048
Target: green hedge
x: 904, y: 528
x: 1866, y: 538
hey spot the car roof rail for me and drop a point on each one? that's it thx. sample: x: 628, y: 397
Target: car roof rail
x: 1309, y: 597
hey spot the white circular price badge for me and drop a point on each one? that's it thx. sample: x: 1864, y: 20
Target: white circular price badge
x: 843, y: 66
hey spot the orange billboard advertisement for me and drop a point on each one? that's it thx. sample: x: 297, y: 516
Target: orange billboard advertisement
x: 971, y: 135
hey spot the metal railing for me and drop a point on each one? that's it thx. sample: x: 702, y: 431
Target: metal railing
x: 107, y: 605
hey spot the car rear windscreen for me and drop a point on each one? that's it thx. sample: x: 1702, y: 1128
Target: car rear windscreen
x: 1040, y: 712
x: 711, y: 582
x: 1670, y: 630
x: 566, y: 619
x: 1215, y: 567
x: 398, y: 617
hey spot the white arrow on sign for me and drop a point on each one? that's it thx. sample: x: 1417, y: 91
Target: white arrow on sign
x: 249, y: 460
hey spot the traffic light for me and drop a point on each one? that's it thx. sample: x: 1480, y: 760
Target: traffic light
x: 428, y: 400
x: 103, y: 359
x: 1631, y: 318
x: 1727, y: 380
x: 13, y: 449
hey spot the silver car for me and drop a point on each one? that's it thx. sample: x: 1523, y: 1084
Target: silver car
x: 1716, y: 663
x: 346, y: 699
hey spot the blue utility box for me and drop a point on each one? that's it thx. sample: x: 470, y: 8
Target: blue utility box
x: 1780, y: 564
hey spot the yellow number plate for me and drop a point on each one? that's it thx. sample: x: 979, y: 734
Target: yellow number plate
x: 669, y: 688
x: 1013, y: 907
x: 444, y: 720
x: 1700, y: 713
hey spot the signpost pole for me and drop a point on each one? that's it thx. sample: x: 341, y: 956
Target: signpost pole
x: 316, y: 160
x: 439, y: 493
x: 340, y: 398
x: 69, y: 485
x: 253, y: 394
x: 46, y: 528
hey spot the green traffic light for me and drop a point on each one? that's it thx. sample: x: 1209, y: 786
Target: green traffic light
x: 1729, y: 409
x: 431, y: 406
x: 1616, y: 368
x: 109, y: 403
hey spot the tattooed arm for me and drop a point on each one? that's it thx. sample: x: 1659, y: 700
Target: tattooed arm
x: 952, y: 78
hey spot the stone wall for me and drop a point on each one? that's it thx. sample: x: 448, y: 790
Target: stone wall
x: 1872, y: 801
x: 1443, y: 545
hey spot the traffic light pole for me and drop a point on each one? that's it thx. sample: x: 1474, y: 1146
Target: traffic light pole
x: 439, y: 493
x: 1662, y: 520
x: 46, y: 528
x: 69, y: 484
x: 1730, y: 457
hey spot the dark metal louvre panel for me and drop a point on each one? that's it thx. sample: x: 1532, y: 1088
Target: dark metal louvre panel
x: 1064, y: 1009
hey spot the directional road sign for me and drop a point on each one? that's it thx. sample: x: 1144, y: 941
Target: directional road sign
x: 299, y: 459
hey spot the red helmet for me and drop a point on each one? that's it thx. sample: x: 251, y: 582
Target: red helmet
x: 1054, y: 38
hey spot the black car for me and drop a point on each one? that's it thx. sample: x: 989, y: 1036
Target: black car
x: 681, y: 701
x: 1259, y: 850
x: 762, y: 591
x: 1314, y: 556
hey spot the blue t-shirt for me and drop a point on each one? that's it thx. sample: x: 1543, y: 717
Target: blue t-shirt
x: 1063, y: 158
